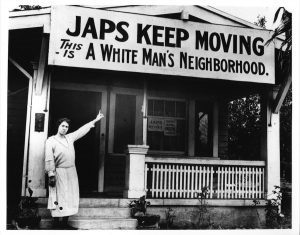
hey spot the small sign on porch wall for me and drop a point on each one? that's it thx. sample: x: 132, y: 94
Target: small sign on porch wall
x: 170, y: 127
x: 155, y: 124
x: 167, y: 126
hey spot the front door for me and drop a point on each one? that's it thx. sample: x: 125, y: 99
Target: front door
x: 124, y: 126
x: 81, y: 107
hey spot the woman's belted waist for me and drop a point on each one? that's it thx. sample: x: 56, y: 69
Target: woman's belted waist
x: 64, y: 166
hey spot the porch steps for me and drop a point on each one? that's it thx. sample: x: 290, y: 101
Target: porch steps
x: 87, y: 223
x: 94, y: 213
x: 103, y: 223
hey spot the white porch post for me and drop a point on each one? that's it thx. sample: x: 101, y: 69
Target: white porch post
x: 270, y: 149
x: 39, y: 125
x: 135, y: 171
x: 145, y: 112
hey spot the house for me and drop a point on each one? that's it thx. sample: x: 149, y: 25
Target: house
x: 163, y: 77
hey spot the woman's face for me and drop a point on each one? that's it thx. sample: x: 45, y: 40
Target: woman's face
x: 63, y: 128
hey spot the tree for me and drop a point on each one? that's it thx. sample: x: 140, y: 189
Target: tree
x: 30, y: 7
x: 261, y: 21
x: 284, y: 29
x: 27, y: 7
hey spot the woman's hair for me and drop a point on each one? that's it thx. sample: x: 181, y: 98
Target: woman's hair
x: 61, y: 120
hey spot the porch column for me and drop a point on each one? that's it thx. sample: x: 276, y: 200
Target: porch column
x: 270, y: 148
x: 135, y: 171
x: 39, y: 125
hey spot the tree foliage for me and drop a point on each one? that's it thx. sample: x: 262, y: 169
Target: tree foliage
x: 29, y: 7
x: 284, y: 29
x: 261, y: 21
x: 244, y: 128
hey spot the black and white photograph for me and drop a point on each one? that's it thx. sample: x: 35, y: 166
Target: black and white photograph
x: 173, y: 117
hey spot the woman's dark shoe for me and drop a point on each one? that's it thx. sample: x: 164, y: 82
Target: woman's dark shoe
x: 56, y: 225
x: 68, y: 227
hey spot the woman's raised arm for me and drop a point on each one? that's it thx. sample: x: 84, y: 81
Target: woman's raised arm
x: 82, y: 131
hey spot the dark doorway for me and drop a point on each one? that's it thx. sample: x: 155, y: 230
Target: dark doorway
x: 124, y: 122
x: 81, y: 107
x: 203, y: 131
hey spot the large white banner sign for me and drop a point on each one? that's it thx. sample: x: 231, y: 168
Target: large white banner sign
x: 100, y: 39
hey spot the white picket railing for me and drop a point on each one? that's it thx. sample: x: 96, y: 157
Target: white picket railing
x: 223, y: 179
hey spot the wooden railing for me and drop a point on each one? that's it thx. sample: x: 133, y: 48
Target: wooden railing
x: 223, y: 179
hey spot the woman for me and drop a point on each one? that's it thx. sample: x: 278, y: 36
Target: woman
x: 62, y: 175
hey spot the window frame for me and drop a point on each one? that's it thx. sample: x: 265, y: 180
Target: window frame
x: 186, y: 119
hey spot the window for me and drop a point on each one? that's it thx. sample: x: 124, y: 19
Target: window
x: 166, y: 127
x: 203, y: 132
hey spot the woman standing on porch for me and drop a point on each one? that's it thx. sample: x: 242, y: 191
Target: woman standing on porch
x: 60, y: 167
